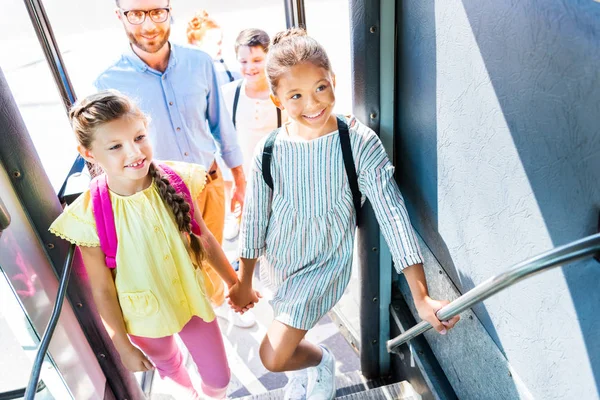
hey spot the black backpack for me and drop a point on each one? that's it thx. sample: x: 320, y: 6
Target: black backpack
x: 346, y: 154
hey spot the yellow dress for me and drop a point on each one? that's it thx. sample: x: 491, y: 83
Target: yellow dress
x: 159, y: 289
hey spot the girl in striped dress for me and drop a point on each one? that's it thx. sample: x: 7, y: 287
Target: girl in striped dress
x: 304, y: 226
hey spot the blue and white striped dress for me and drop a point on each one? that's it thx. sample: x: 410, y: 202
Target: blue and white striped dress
x: 305, y: 226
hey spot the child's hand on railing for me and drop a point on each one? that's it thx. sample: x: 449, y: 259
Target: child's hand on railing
x: 427, y: 309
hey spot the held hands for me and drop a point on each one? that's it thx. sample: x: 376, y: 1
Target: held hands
x: 241, y: 297
x: 134, y: 360
x: 427, y: 307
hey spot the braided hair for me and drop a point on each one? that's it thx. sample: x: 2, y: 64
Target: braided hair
x: 181, y: 211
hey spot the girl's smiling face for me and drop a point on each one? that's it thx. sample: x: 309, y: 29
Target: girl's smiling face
x: 306, y: 92
x: 121, y: 147
x: 252, y: 63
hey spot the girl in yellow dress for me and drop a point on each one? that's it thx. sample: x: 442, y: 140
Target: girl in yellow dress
x: 158, y: 288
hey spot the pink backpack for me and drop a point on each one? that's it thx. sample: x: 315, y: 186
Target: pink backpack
x: 105, y: 219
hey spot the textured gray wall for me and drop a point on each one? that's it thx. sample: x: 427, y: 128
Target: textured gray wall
x: 499, y: 151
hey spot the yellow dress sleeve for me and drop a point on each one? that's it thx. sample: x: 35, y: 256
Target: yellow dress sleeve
x: 193, y: 175
x: 76, y: 224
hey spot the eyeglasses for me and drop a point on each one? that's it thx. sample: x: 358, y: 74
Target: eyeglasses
x: 137, y: 17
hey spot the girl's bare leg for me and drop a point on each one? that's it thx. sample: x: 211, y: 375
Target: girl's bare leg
x: 285, y: 349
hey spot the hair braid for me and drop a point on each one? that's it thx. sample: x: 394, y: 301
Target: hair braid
x: 181, y: 211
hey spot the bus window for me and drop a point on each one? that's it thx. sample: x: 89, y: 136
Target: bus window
x: 91, y: 37
x: 31, y: 82
x: 18, y: 346
x: 322, y: 18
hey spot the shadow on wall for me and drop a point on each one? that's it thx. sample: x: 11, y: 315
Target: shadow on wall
x: 417, y: 141
x: 549, y: 91
x: 542, y: 60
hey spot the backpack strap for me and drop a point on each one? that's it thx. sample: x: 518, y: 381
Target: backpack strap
x: 349, y: 164
x: 346, y: 155
x: 181, y: 188
x: 105, y: 220
x: 229, y: 74
x: 236, y: 99
x: 266, y: 158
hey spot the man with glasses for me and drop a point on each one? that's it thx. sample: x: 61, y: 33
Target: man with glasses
x: 178, y: 88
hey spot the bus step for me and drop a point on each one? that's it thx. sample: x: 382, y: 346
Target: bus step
x: 396, y: 391
x: 353, y: 385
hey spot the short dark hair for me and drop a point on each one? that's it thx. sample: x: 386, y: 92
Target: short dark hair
x: 252, y: 38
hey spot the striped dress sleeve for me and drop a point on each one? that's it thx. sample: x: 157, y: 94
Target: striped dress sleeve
x: 257, y: 210
x: 376, y: 181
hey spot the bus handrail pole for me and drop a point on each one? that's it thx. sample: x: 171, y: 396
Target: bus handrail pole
x: 45, y: 34
x: 295, y: 15
x: 577, y: 250
x: 45, y: 342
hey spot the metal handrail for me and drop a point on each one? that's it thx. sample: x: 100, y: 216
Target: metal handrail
x: 45, y: 342
x: 45, y: 34
x: 43, y: 29
x: 18, y: 394
x: 577, y: 250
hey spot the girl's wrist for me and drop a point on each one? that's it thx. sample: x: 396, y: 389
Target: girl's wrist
x: 232, y: 281
x: 122, y: 345
x: 246, y: 282
x: 420, y: 299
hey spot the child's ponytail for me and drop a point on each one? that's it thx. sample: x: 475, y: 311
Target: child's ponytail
x: 181, y: 211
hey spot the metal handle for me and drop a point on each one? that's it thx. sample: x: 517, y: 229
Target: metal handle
x: 4, y: 217
x: 45, y: 342
x: 583, y: 248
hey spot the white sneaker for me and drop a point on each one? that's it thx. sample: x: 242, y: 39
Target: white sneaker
x: 321, y: 379
x: 296, y: 386
x: 232, y: 227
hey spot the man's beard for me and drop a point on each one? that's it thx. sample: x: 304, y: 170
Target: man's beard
x: 157, y: 43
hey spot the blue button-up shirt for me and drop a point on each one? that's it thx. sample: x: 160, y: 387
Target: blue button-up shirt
x: 188, y: 117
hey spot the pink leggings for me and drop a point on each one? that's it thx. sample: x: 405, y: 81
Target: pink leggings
x: 205, y: 344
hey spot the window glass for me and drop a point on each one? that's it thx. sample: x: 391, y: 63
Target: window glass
x: 322, y: 18
x: 90, y: 37
x: 18, y: 346
x: 35, y: 92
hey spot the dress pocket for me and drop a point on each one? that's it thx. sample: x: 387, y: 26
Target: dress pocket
x: 138, y: 304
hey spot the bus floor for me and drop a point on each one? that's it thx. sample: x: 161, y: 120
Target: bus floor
x: 248, y: 375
